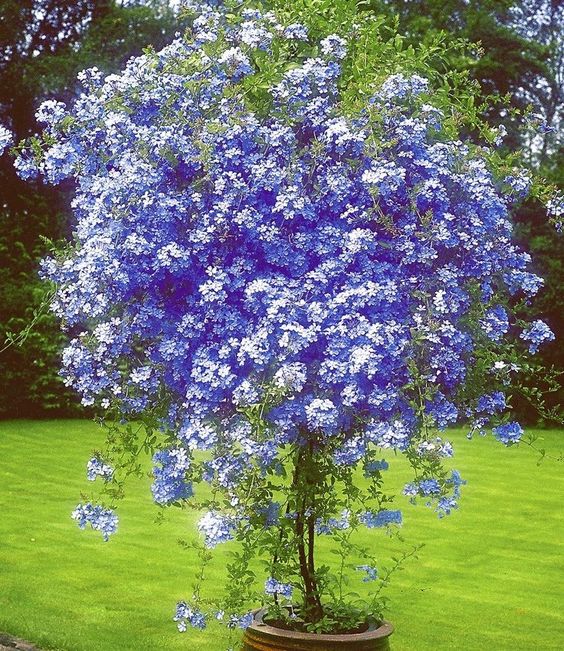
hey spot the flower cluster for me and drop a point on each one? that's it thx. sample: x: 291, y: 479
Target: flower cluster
x: 97, y: 468
x: 170, y: 485
x: 508, y: 433
x: 537, y: 333
x: 555, y: 208
x: 435, y: 448
x: 381, y: 518
x: 186, y: 616
x: 274, y: 587
x: 373, y: 467
x: 442, y: 495
x: 240, y: 621
x: 331, y: 525
x: 5, y: 138
x: 216, y: 528
x: 99, y: 518
x: 371, y: 573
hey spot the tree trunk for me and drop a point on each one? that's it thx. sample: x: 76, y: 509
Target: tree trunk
x: 305, y: 532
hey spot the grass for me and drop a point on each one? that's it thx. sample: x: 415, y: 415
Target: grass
x: 489, y: 576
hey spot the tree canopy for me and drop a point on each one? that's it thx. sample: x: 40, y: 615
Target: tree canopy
x: 517, y: 58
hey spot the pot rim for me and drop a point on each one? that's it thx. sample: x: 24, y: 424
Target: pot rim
x: 374, y: 632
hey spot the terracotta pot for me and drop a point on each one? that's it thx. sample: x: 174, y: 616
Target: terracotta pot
x: 263, y: 637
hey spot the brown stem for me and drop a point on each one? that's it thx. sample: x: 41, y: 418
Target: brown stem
x: 275, y: 557
x: 311, y: 545
x: 318, y: 607
x: 313, y: 606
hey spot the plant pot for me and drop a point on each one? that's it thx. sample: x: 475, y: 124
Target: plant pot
x: 264, y: 637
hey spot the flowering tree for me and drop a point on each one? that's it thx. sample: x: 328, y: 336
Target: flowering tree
x: 285, y: 258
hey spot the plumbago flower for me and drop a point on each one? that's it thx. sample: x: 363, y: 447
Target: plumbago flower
x: 285, y: 280
x: 5, y: 139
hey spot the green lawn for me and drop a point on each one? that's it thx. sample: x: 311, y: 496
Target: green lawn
x: 489, y: 577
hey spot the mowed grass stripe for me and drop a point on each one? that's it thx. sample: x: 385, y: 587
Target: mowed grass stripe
x: 489, y: 576
x: 494, y: 571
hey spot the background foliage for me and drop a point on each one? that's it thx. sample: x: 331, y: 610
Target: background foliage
x: 517, y: 62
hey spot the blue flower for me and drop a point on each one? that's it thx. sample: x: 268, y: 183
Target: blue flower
x: 429, y: 487
x: 5, y: 138
x: 442, y: 494
x: 395, y: 435
x: 322, y: 414
x: 170, y: 484
x: 274, y: 587
x: 334, y: 46
x: 456, y: 482
x: 508, y: 433
x: 97, y: 468
x: 99, y: 518
x: 520, y: 183
x: 51, y: 112
x: 331, y: 525
x: 443, y: 411
x: 296, y: 31
x: 445, y: 505
x: 381, y: 518
x: 240, y: 621
x: 255, y: 35
x: 372, y: 468
x: 236, y: 64
x: 435, y: 448
x: 186, y: 615
x: 491, y: 403
x: 537, y: 333
x: 216, y: 528
x: 495, y: 323
x: 350, y: 452
x: 399, y: 86
x: 371, y: 573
